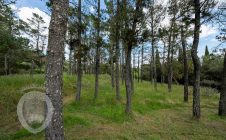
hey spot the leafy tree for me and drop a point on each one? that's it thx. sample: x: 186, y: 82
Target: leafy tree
x: 15, y: 53
x: 35, y: 31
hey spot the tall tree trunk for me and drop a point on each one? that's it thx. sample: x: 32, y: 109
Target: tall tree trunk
x: 129, y: 88
x: 112, y: 67
x: 169, y: 63
x: 163, y: 63
x: 196, y: 62
x: 123, y: 65
x: 151, y: 70
x: 54, y: 67
x: 183, y: 41
x: 128, y: 80
x: 79, y: 60
x: 222, y: 102
x: 153, y: 49
x: 6, y: 64
x: 142, y: 63
x: 97, y: 68
x: 131, y: 77
x: 117, y: 53
x: 134, y: 67
x: 171, y: 60
x: 70, y: 61
x: 138, y: 67
x: 32, y: 68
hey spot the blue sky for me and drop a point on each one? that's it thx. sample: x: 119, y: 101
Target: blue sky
x: 27, y: 6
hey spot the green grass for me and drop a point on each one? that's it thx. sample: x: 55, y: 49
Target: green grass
x: 156, y: 115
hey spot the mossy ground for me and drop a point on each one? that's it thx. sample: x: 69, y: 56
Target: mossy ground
x: 156, y: 114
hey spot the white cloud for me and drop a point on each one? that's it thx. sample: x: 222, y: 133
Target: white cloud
x: 92, y: 9
x: 25, y: 13
x: 166, y: 21
x: 207, y: 30
x: 13, y: 7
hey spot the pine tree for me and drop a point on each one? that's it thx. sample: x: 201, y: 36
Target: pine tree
x: 97, y: 57
x: 54, y: 67
x: 207, y: 51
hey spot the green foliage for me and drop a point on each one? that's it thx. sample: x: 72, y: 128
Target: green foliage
x: 207, y: 51
x: 14, y: 50
x: 212, y: 68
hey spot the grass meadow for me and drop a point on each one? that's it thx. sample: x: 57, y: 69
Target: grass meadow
x: 156, y: 115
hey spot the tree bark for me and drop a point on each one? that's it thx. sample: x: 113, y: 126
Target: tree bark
x: 142, y: 63
x: 183, y: 41
x: 196, y: 62
x: 32, y: 68
x: 54, y: 67
x: 117, y: 53
x: 6, y: 64
x: 163, y: 63
x: 132, y: 76
x: 134, y: 67
x: 222, y: 102
x: 70, y: 61
x: 169, y: 63
x: 97, y: 68
x: 123, y: 65
x: 138, y: 67
x: 112, y: 67
x: 153, y: 50
x: 129, y: 88
x: 128, y: 80
x: 79, y: 60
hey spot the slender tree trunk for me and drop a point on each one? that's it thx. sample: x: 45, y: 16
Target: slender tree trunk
x: 196, y: 62
x: 138, y: 67
x: 54, y: 67
x: 70, y: 60
x: 132, y: 74
x: 131, y: 78
x: 153, y: 50
x: 97, y: 69
x: 112, y: 68
x: 79, y: 60
x: 163, y: 63
x: 123, y: 65
x: 171, y: 60
x: 222, y: 102
x: 151, y: 70
x: 142, y: 63
x: 169, y: 64
x: 117, y: 53
x: 32, y: 69
x: 183, y: 40
x: 134, y: 67
x: 128, y: 80
x: 129, y: 88
x: 6, y: 65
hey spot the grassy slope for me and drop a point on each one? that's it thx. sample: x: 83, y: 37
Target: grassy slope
x: 156, y: 115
